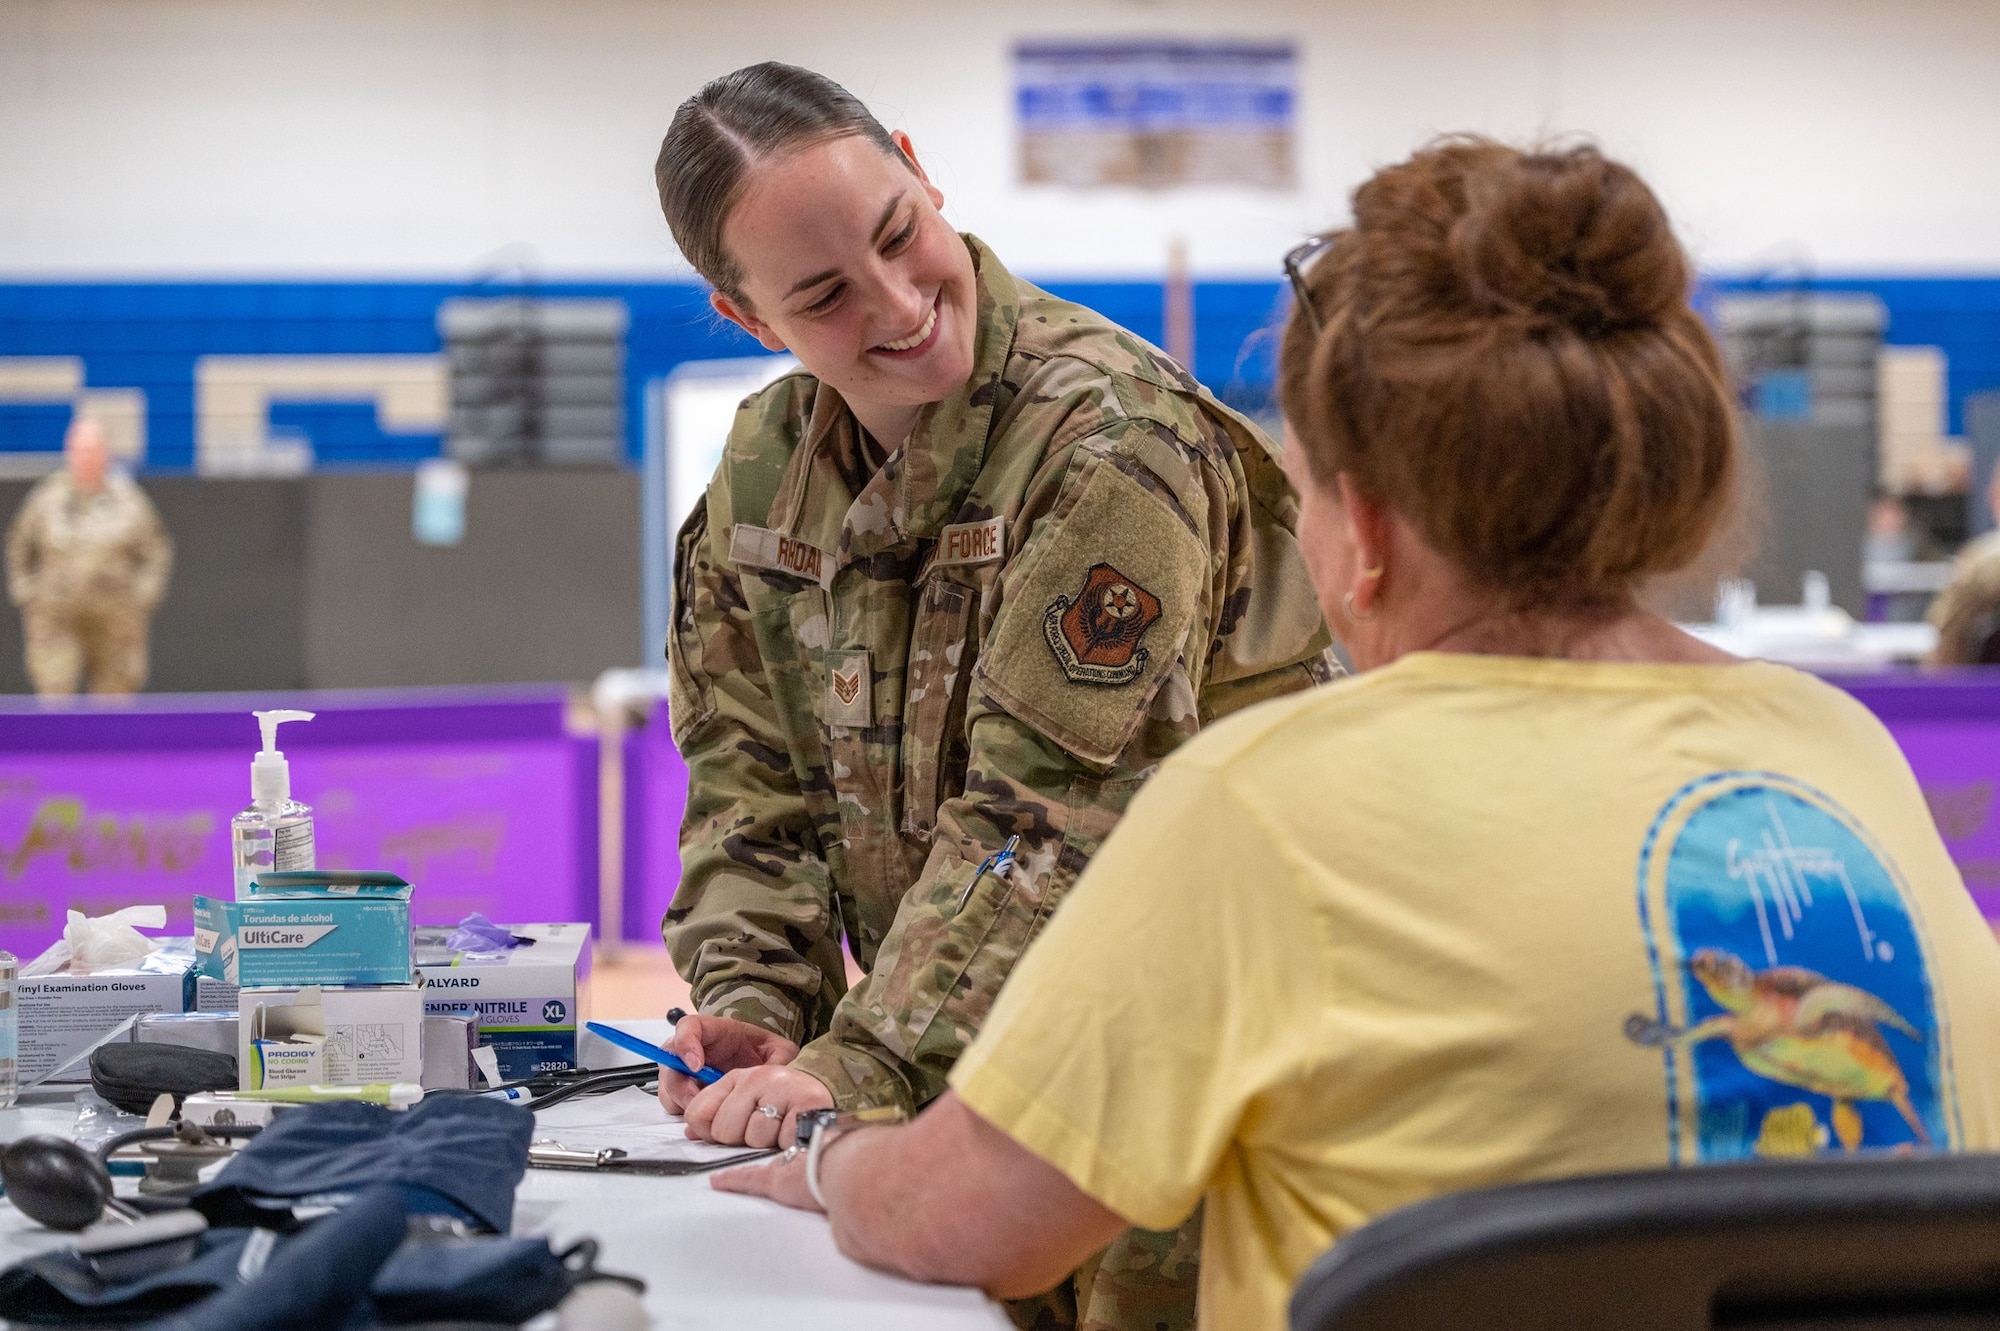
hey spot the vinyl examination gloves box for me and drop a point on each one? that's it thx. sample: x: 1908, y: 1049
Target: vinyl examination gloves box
x: 62, y: 1015
x: 524, y: 998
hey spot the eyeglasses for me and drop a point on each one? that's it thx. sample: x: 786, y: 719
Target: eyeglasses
x: 1295, y: 268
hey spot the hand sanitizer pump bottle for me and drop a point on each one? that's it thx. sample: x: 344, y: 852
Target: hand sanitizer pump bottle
x: 275, y: 834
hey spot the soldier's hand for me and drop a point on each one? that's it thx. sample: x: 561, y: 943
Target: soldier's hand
x: 721, y: 1042
x: 756, y: 1107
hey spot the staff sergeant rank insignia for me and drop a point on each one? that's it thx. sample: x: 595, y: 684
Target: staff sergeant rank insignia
x: 1095, y: 635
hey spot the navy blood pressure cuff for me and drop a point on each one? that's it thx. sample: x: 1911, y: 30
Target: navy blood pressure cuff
x: 470, y: 1151
x: 244, y: 1278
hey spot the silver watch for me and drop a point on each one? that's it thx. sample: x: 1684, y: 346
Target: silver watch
x: 820, y: 1128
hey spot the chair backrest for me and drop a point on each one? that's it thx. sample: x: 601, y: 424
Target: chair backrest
x: 1873, y: 1244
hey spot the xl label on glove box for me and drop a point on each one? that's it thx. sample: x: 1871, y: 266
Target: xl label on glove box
x: 318, y: 940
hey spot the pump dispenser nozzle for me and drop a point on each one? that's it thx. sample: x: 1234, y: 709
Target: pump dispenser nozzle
x: 270, y: 774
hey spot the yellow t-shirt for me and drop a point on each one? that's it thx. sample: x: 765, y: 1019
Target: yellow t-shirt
x: 1469, y: 920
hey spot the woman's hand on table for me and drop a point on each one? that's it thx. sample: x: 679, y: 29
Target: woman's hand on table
x: 721, y: 1042
x: 781, y: 1180
x: 757, y: 1107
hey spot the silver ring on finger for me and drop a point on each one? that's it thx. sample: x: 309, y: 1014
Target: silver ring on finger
x: 771, y: 1112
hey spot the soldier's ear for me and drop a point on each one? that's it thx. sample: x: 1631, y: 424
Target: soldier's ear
x: 909, y: 151
x: 742, y: 317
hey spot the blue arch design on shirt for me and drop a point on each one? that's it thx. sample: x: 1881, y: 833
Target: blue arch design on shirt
x: 1757, y: 889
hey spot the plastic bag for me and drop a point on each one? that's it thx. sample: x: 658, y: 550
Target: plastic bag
x: 98, y: 1121
x: 476, y: 933
x: 89, y: 945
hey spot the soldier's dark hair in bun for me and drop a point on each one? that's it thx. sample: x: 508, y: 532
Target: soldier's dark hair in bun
x: 1509, y: 360
x: 732, y: 123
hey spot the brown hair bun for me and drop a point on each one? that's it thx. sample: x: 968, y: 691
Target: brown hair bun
x: 1510, y: 361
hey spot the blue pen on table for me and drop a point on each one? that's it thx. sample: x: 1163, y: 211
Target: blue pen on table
x: 1000, y: 862
x: 632, y: 1044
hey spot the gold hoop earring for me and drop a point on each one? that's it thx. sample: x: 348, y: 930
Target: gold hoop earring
x: 1347, y: 609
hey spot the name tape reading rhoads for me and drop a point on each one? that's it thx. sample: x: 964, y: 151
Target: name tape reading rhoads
x: 760, y: 547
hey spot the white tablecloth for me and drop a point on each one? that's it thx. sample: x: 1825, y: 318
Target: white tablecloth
x: 709, y: 1259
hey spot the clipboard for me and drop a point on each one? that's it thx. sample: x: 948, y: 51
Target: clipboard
x: 552, y: 1154
x: 625, y: 1132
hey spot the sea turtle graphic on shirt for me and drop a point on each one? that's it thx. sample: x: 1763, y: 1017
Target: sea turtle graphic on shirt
x: 1795, y: 1026
x: 1794, y: 1010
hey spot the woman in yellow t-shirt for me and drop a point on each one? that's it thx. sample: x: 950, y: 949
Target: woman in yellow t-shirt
x: 1549, y: 888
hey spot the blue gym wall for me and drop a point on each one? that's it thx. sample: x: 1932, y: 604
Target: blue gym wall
x: 1961, y: 315
x: 149, y: 335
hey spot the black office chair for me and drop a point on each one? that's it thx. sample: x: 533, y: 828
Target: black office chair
x: 1908, y: 1244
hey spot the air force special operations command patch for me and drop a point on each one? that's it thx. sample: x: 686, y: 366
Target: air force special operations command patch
x: 1096, y: 615
x: 1095, y: 634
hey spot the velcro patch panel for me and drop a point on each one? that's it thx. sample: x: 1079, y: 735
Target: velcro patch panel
x: 1097, y: 617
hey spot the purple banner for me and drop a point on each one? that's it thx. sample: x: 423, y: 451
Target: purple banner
x: 1948, y: 725
x: 487, y: 801
x: 484, y: 802
x: 656, y: 787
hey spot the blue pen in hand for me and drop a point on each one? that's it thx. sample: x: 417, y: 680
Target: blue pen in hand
x: 646, y: 1049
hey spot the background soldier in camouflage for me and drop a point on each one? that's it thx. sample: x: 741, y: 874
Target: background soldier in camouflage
x: 87, y: 560
x: 890, y: 665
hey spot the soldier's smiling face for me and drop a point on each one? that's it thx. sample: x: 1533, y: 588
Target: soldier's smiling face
x: 848, y: 264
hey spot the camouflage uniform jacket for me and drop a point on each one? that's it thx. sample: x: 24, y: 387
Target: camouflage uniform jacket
x: 878, y: 678
x: 1966, y: 613
x: 104, y: 550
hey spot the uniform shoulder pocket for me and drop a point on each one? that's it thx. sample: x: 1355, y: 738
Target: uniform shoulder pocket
x: 690, y: 692
x: 1095, y: 616
x: 935, y: 749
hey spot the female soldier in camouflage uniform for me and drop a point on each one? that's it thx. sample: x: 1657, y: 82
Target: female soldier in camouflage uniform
x: 958, y: 585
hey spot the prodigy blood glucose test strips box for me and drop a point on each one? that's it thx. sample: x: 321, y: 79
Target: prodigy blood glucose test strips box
x: 328, y: 1034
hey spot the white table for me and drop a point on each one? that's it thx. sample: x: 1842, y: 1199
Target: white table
x: 1840, y: 646
x: 709, y: 1259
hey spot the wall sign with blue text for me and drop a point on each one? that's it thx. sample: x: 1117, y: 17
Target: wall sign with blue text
x: 1155, y: 114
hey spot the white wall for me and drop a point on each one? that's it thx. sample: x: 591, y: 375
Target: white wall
x: 425, y: 137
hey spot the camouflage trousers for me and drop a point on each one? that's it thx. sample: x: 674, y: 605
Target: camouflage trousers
x: 1145, y: 1281
x: 69, y: 644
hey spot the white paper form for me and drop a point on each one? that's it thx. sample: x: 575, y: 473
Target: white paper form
x: 628, y: 1120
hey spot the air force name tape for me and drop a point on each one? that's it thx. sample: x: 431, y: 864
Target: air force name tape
x: 760, y: 547
x: 967, y: 543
